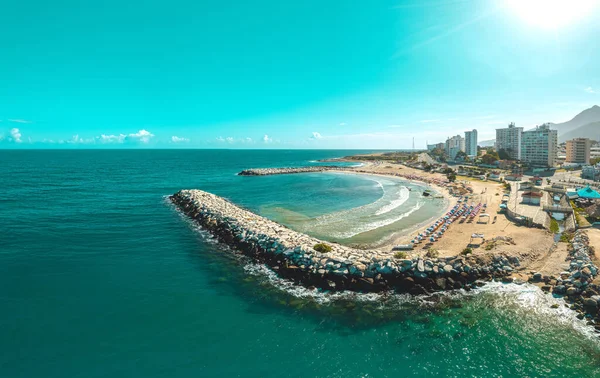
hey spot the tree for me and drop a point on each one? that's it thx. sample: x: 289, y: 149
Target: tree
x: 504, y: 154
x: 451, y: 177
x: 490, y: 158
x: 460, y: 155
x: 595, y: 161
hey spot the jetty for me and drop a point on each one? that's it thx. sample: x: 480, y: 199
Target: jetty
x: 329, y: 266
x: 290, y: 170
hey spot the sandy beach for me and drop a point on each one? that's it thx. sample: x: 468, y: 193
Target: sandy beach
x: 532, y: 246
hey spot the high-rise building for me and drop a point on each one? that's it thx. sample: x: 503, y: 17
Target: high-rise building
x: 540, y: 146
x: 454, y: 145
x: 578, y: 151
x: 471, y: 143
x: 509, y: 140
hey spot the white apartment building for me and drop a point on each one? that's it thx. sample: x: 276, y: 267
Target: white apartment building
x: 454, y: 145
x: 471, y: 143
x: 509, y: 139
x: 539, y: 146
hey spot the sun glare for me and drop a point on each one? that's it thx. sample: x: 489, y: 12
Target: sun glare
x: 551, y: 14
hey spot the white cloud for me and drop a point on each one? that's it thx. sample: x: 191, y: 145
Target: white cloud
x: 430, y: 120
x: 19, y: 121
x: 15, y: 135
x: 229, y: 140
x: 267, y: 139
x: 112, y: 138
x: 316, y: 135
x: 76, y: 139
x: 143, y: 136
x: 343, y: 124
x: 176, y: 139
x: 248, y: 140
x: 591, y: 90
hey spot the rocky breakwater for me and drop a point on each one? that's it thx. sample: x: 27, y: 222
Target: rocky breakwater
x: 314, y: 263
x: 290, y: 170
x: 576, y: 284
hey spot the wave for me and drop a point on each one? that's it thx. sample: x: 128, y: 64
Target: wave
x: 348, y: 223
x: 322, y: 219
x: 365, y: 227
x: 404, y: 195
x: 512, y: 297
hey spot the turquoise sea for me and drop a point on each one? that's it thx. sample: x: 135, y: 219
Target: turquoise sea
x: 101, y: 277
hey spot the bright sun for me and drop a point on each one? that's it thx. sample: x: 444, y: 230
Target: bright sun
x: 551, y: 14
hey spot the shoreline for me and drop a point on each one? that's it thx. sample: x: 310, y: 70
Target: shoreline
x: 394, y: 239
x: 344, y: 268
x: 293, y: 255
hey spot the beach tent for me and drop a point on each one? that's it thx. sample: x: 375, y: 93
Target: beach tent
x: 588, y: 193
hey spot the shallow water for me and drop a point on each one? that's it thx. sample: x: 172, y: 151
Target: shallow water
x: 101, y: 277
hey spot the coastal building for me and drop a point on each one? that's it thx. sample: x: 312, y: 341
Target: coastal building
x: 532, y: 198
x: 509, y: 140
x: 454, y: 145
x: 471, y: 143
x: 578, y: 151
x: 595, y: 151
x: 591, y: 172
x: 513, y: 177
x: 431, y: 147
x: 588, y: 193
x: 539, y: 147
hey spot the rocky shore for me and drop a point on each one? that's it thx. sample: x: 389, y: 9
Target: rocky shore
x: 576, y: 283
x: 290, y: 170
x: 334, y: 267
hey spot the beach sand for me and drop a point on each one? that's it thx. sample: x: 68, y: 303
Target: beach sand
x: 531, y: 245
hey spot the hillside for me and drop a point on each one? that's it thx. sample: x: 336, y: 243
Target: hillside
x: 487, y: 143
x: 583, y: 125
x: 591, y: 130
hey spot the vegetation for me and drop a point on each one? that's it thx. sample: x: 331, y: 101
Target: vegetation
x: 490, y: 246
x: 554, y: 226
x: 322, y: 247
x: 401, y: 255
x: 432, y: 253
x: 595, y: 161
x: 504, y: 154
x: 566, y: 237
x: 388, y: 156
x: 490, y: 157
x: 438, y: 153
x: 466, y: 251
x: 461, y: 155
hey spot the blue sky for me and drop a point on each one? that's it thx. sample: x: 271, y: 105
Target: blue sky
x: 273, y: 74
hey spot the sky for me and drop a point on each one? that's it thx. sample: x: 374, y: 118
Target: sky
x: 274, y: 74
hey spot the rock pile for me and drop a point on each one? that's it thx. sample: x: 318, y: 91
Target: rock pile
x: 291, y: 254
x: 576, y: 283
x: 290, y: 170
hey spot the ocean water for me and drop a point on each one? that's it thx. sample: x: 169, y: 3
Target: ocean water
x: 101, y: 277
